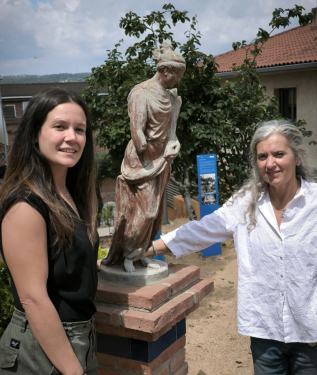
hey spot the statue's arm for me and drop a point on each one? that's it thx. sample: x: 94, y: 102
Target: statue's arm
x: 138, y: 119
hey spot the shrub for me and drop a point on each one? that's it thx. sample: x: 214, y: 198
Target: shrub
x: 102, y: 252
x: 6, y: 298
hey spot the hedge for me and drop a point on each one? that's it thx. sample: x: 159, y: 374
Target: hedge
x: 6, y: 298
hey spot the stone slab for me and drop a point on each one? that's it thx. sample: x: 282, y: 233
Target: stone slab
x: 151, y: 296
x: 142, y: 275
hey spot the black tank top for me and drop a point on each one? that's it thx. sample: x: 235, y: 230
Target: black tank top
x: 72, y: 277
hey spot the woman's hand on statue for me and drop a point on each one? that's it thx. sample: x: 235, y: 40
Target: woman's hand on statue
x: 149, y: 253
x: 172, y: 149
x: 158, y: 247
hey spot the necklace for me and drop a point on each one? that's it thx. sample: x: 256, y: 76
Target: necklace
x: 281, y: 209
x: 66, y: 193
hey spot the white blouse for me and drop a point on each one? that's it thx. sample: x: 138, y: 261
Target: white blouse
x: 277, y: 267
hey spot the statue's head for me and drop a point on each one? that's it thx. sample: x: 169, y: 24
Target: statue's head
x: 167, y: 60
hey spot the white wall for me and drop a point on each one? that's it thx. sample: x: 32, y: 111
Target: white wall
x: 2, y: 129
x: 305, y: 82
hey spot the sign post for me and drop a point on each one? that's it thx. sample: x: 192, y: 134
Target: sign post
x: 208, y: 193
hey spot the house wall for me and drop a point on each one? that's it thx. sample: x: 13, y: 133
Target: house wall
x: 11, y: 130
x: 305, y: 83
x: 18, y: 106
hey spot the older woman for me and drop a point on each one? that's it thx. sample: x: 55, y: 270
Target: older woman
x: 272, y: 220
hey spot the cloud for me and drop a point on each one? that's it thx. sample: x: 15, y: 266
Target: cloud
x: 52, y: 36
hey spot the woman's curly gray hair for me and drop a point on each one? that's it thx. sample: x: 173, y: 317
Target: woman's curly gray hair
x: 255, y: 185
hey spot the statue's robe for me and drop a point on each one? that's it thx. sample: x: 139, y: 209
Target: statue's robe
x: 145, y: 172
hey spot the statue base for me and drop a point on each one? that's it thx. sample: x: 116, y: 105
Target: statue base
x: 141, y: 277
x: 141, y: 330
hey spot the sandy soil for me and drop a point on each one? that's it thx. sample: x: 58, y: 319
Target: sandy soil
x: 214, y: 345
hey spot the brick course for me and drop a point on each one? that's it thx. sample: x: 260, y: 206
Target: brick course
x: 149, y: 326
x: 177, y: 360
x: 145, y: 314
x: 182, y: 370
x: 151, y: 296
x: 167, y: 362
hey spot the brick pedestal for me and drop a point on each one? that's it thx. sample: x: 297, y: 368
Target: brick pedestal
x: 141, y: 330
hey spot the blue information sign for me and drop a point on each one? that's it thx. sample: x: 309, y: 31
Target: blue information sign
x: 208, y: 193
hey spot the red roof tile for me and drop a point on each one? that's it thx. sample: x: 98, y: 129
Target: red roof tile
x: 294, y: 46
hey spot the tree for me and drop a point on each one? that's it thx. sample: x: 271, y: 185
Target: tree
x: 213, y: 118
x: 244, y: 103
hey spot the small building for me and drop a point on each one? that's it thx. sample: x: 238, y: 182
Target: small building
x: 287, y: 68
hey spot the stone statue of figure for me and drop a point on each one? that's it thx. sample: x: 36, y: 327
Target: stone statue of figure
x: 146, y: 167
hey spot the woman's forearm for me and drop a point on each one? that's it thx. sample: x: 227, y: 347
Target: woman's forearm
x: 49, y: 332
x: 159, y: 249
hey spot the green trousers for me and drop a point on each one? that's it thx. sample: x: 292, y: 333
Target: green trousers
x: 21, y: 354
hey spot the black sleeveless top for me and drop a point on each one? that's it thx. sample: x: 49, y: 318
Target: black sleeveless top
x: 72, y: 276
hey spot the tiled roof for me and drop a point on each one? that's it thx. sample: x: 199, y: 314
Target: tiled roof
x: 9, y: 115
x: 294, y: 46
x: 30, y: 89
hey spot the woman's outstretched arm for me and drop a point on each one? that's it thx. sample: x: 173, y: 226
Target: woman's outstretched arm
x: 25, y: 249
x: 158, y: 248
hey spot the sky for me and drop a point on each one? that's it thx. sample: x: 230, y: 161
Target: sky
x: 73, y: 36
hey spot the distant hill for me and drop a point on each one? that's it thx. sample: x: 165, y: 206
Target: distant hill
x: 48, y: 78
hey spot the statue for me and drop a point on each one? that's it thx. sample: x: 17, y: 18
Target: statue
x: 146, y: 167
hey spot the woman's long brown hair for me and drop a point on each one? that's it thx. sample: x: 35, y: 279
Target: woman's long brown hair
x: 28, y: 170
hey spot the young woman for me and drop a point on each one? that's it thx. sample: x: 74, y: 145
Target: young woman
x: 272, y: 220
x: 49, y: 239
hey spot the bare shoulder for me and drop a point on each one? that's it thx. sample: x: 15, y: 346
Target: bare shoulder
x: 24, y: 232
x: 24, y: 241
x: 22, y: 221
x: 23, y: 212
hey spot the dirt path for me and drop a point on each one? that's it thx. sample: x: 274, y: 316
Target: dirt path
x: 214, y: 345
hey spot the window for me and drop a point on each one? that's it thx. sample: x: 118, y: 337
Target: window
x: 24, y: 105
x: 12, y: 105
x: 287, y: 99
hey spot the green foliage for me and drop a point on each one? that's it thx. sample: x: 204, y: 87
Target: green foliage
x: 107, y: 215
x: 241, y: 105
x: 214, y: 118
x: 6, y: 298
x: 102, y: 252
x: 106, y: 166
